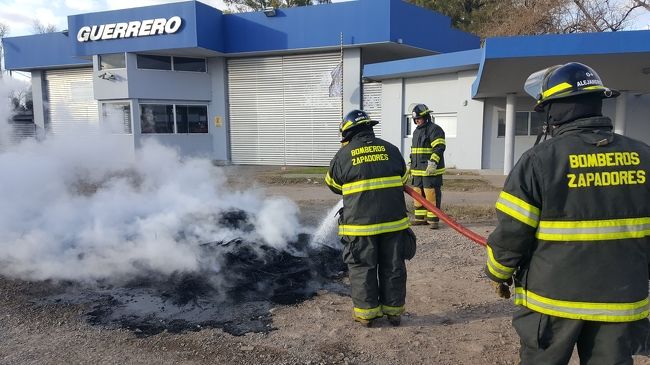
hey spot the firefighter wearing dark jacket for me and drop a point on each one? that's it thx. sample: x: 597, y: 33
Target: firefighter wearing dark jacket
x: 370, y: 174
x: 427, y: 164
x: 574, y: 229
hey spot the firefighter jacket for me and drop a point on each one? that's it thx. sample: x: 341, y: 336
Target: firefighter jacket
x: 428, y: 144
x: 574, y: 225
x: 370, y: 174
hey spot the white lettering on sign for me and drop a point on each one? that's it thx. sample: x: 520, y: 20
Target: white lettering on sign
x: 131, y: 29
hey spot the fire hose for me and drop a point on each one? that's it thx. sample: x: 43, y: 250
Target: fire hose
x: 445, y: 218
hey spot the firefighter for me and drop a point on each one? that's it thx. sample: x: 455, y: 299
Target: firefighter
x: 427, y: 164
x: 370, y: 174
x: 573, y: 229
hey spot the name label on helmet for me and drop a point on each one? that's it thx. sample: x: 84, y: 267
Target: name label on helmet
x: 131, y: 29
x: 588, y: 82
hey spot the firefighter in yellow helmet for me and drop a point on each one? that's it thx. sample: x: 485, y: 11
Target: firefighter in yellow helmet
x: 573, y: 229
x: 427, y: 163
x: 370, y: 174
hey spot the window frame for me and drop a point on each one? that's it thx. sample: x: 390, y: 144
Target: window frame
x: 529, y: 121
x: 172, y: 63
x: 175, y: 117
x: 99, y: 61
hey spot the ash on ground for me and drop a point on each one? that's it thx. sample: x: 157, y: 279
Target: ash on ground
x: 236, y: 296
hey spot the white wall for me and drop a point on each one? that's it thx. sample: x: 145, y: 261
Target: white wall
x: 351, y: 79
x: 450, y: 93
x: 637, y: 126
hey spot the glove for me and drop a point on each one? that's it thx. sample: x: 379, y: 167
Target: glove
x: 408, y: 169
x: 431, y: 167
x: 502, y: 289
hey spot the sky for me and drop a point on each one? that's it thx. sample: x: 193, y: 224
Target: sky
x: 19, y: 15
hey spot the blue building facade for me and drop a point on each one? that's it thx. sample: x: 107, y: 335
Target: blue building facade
x: 244, y: 88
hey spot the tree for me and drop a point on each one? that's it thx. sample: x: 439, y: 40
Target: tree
x: 488, y: 18
x: 4, y: 30
x: 256, y: 5
x: 41, y: 28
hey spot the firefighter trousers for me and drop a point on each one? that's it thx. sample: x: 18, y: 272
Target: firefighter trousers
x: 550, y: 340
x: 377, y: 272
x: 431, y: 188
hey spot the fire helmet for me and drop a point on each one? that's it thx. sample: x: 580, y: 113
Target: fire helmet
x: 420, y: 111
x: 352, y: 121
x: 562, y: 81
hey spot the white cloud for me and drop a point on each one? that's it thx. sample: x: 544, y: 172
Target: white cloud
x: 124, y: 4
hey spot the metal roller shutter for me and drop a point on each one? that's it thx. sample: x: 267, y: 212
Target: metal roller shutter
x: 71, y: 103
x: 281, y: 112
x: 371, y: 103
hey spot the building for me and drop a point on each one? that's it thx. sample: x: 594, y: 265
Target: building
x: 251, y: 88
x: 270, y: 87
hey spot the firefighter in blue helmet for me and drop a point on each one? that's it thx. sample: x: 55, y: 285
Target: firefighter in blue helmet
x: 573, y: 229
x: 370, y: 174
x: 427, y: 163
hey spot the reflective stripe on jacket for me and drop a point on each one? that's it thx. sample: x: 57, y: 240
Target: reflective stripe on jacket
x: 428, y: 144
x: 370, y: 173
x: 574, y: 225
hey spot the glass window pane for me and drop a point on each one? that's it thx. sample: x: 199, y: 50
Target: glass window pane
x: 521, y: 123
x: 112, y: 60
x: 501, y: 126
x: 157, y: 118
x: 151, y: 62
x: 536, y: 122
x: 189, y: 64
x: 181, y: 119
x: 408, y: 126
x: 116, y: 118
x: 197, y: 116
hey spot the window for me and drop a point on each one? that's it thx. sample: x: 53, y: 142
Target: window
x: 191, y: 119
x: 189, y: 64
x: 151, y: 62
x: 111, y: 61
x: 169, y: 63
x: 446, y: 121
x: 116, y: 118
x: 158, y: 118
x: 526, y: 123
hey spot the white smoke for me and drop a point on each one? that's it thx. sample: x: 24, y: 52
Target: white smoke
x: 8, y: 87
x: 73, y: 208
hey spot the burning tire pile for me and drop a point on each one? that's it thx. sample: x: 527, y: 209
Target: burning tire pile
x: 235, y: 292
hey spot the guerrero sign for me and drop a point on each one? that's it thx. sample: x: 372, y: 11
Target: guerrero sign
x: 129, y: 30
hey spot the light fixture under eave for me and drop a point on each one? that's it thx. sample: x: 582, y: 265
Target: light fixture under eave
x: 270, y: 11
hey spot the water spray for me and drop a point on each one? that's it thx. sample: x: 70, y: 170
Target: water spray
x: 445, y: 218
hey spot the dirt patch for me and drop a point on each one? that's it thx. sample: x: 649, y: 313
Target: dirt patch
x: 453, y: 317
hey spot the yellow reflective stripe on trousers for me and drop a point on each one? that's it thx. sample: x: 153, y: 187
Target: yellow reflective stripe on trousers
x: 431, y: 215
x: 372, y: 229
x: 372, y: 184
x: 603, y: 312
x: 609, y: 229
x: 500, y: 271
x: 518, y: 209
x: 435, y: 157
x: 329, y: 181
x: 392, y: 311
x: 368, y: 313
x: 424, y: 172
x: 437, y: 142
x: 420, y: 212
x: 421, y: 150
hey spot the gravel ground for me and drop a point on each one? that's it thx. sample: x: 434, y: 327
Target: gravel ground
x: 452, y: 317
